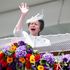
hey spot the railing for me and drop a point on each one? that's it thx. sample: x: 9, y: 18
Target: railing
x: 58, y: 43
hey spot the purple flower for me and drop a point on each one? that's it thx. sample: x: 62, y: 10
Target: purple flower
x: 20, y: 65
x: 33, y: 67
x: 6, y: 50
x: 23, y: 47
x: 41, y: 54
x: 21, y: 51
x: 20, y: 43
x: 29, y: 50
x: 46, y: 67
x: 66, y: 58
x: 49, y: 58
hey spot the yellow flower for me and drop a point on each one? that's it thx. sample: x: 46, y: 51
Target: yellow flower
x: 9, y: 59
x: 40, y: 67
x: 13, y: 48
x: 32, y: 59
x: 22, y: 59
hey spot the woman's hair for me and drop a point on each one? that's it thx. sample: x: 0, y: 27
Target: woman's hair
x: 41, y: 24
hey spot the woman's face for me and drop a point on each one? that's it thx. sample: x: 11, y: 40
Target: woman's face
x: 34, y: 28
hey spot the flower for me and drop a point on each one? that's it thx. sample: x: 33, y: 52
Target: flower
x: 29, y: 49
x: 9, y: 68
x: 49, y: 58
x: 28, y: 65
x: 9, y: 59
x: 4, y: 63
x: 16, y: 44
x: 56, y: 65
x: 13, y: 48
x: 65, y: 58
x: 22, y: 59
x: 20, y: 43
x: 20, y: 52
x: 6, y: 50
x: 1, y: 55
x: 28, y: 57
x: 40, y: 67
x: 18, y: 56
x: 32, y: 59
x: 37, y: 57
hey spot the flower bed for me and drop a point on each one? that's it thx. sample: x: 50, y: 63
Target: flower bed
x: 21, y: 56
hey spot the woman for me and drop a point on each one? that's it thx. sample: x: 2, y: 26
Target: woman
x: 35, y: 26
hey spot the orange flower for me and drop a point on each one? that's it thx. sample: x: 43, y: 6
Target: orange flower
x: 22, y: 59
x: 9, y: 59
x: 13, y: 48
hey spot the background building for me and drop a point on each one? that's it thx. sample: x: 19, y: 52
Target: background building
x: 56, y: 15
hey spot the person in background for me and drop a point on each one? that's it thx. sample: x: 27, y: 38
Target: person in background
x: 35, y: 26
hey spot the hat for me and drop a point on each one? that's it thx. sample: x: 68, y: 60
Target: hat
x: 35, y: 18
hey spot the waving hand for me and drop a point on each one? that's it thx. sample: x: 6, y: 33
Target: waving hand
x: 24, y: 8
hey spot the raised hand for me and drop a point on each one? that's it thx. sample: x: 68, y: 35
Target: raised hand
x: 24, y: 8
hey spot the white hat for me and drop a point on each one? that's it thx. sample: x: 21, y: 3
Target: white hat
x: 36, y: 17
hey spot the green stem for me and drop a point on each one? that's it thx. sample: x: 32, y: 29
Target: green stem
x: 23, y: 67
